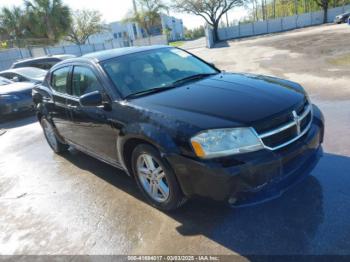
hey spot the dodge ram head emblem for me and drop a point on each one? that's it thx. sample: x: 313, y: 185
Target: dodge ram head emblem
x: 297, y: 121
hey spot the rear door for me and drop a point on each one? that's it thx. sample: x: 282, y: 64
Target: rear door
x: 92, y: 129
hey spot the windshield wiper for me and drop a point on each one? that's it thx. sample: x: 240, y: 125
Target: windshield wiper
x: 173, y: 85
x: 149, y: 91
x: 193, y: 77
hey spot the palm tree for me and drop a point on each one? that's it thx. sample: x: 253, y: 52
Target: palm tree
x: 12, y: 22
x: 49, y: 19
x: 149, y: 16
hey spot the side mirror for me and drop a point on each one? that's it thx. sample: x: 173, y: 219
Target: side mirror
x: 15, y: 79
x: 92, y: 99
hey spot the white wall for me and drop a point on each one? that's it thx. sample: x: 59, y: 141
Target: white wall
x: 279, y: 24
x: 153, y: 40
x: 8, y: 56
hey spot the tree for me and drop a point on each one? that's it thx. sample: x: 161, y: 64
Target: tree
x: 84, y: 24
x: 210, y: 10
x: 149, y: 16
x: 255, y: 8
x: 50, y: 19
x: 324, y: 5
x: 167, y: 31
x: 12, y: 22
x: 296, y: 7
x: 195, y: 32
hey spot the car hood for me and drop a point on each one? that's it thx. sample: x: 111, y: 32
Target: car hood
x: 15, y: 88
x: 242, y: 98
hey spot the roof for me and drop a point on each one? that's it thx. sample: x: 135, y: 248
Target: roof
x: 112, y: 53
x: 59, y: 57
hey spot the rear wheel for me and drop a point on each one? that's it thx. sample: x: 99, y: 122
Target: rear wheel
x: 155, y: 178
x: 51, y: 137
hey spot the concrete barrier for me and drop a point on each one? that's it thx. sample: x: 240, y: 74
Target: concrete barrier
x: 9, y: 56
x: 279, y: 24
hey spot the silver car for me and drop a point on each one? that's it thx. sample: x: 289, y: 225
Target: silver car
x: 343, y: 18
x: 25, y: 74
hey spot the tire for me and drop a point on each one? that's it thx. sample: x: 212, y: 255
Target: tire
x: 51, y: 137
x: 153, y: 185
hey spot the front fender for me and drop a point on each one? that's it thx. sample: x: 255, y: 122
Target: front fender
x: 154, y: 135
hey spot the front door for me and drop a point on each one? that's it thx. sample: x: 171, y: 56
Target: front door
x: 57, y: 109
x: 91, y: 129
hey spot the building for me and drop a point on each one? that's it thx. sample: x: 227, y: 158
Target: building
x: 118, y: 32
x: 173, y: 26
x: 127, y: 32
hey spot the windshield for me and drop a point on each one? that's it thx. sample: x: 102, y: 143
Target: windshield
x: 4, y: 81
x: 31, y: 72
x: 156, y: 69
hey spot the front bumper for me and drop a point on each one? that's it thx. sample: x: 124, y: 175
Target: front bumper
x: 17, y: 106
x: 253, y: 177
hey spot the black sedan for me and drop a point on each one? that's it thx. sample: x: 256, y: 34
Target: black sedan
x: 15, y: 98
x: 343, y: 18
x: 181, y: 127
x: 25, y: 74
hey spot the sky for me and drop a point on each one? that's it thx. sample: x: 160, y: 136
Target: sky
x: 115, y: 10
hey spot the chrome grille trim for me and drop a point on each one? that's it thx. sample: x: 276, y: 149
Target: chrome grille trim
x: 285, y: 127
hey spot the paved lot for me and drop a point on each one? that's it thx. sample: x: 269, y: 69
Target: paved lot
x: 198, y: 43
x: 74, y: 204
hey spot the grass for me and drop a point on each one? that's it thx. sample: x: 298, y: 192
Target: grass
x: 342, y: 60
x: 176, y: 44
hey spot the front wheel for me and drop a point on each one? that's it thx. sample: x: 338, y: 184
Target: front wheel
x: 51, y: 137
x: 155, y: 178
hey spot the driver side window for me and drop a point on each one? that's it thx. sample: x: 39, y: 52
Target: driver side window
x: 84, y: 81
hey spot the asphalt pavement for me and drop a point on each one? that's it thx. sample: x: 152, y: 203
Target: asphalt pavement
x: 74, y: 204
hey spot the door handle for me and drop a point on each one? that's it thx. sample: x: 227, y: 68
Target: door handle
x: 71, y: 106
x: 46, y: 99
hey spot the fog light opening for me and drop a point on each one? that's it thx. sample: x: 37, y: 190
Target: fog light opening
x: 232, y: 200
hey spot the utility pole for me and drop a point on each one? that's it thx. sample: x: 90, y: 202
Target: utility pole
x: 135, y: 28
x: 227, y: 24
x: 134, y: 6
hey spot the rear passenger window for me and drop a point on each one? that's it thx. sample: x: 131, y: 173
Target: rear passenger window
x: 44, y: 65
x: 84, y: 81
x: 59, y: 80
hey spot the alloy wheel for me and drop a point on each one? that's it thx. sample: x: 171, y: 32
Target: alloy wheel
x: 152, y: 177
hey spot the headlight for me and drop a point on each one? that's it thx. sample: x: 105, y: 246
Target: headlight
x: 224, y: 142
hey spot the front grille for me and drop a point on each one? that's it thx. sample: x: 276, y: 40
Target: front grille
x: 298, y: 124
x: 305, y: 122
x: 280, y: 120
x: 281, y: 137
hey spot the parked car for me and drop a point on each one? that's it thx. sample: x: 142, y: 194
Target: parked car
x: 44, y: 62
x: 343, y: 18
x: 25, y: 74
x: 15, y: 97
x: 180, y: 126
